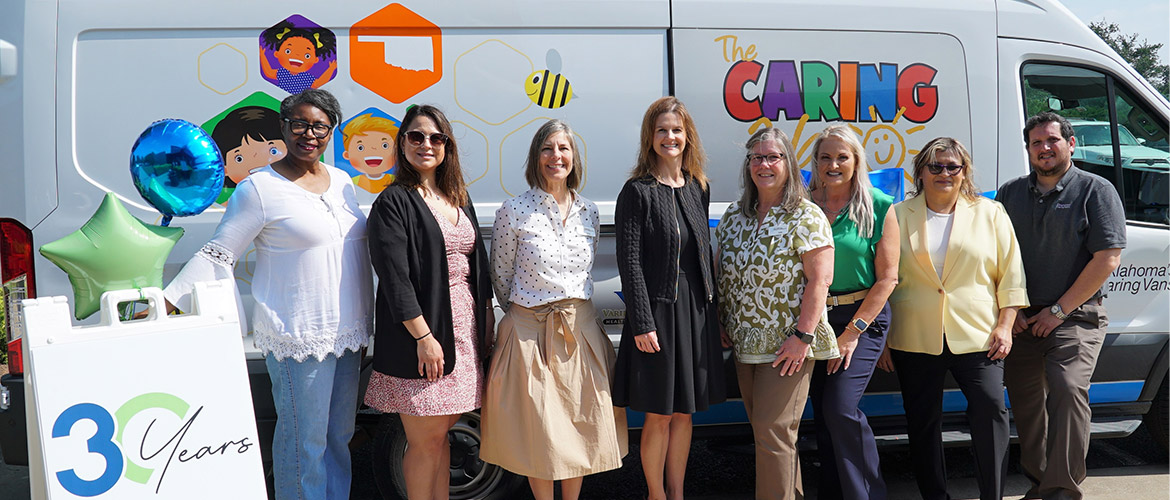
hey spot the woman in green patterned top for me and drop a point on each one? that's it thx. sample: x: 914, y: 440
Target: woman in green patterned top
x: 775, y: 267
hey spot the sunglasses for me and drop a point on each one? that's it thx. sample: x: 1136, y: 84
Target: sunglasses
x: 416, y: 138
x: 937, y: 168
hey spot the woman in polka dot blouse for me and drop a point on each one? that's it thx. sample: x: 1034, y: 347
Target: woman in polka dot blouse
x: 547, y: 412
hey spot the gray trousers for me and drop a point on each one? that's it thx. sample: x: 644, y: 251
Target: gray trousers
x: 1048, y: 385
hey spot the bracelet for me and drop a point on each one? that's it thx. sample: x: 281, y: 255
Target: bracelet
x: 423, y: 337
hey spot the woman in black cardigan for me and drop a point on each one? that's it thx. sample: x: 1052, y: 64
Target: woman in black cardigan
x: 670, y: 363
x: 433, y: 316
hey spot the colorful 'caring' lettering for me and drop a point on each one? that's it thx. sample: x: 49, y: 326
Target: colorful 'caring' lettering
x: 857, y: 87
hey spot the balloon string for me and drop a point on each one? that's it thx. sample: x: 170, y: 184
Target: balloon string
x: 166, y: 221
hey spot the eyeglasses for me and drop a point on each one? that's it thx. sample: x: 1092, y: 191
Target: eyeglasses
x: 937, y: 168
x: 769, y: 159
x: 300, y: 127
x: 416, y: 138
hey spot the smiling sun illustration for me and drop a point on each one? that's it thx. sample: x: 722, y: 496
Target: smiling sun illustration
x: 885, y: 144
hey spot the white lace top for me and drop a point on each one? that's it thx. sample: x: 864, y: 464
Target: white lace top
x: 535, y: 258
x: 313, y: 282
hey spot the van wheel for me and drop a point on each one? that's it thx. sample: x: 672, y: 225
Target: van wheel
x: 1157, y: 420
x: 471, y: 478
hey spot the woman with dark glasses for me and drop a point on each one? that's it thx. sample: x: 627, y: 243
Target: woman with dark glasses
x: 961, y: 281
x: 312, y: 287
x: 434, y: 318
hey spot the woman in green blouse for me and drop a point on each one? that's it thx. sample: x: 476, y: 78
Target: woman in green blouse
x: 776, y: 264
x: 865, y: 271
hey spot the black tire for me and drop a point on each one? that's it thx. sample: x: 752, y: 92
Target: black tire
x: 1157, y: 420
x: 471, y: 478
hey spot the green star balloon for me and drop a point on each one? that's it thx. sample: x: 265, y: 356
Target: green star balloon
x: 113, y: 250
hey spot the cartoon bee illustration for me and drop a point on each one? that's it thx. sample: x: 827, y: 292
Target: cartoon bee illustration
x: 548, y: 88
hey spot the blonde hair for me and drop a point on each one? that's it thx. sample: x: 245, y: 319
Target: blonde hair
x: 366, y: 123
x: 694, y: 160
x: 794, y: 190
x: 860, y: 198
x: 930, y: 152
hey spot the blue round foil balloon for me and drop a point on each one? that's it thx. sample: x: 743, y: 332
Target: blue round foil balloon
x: 176, y: 167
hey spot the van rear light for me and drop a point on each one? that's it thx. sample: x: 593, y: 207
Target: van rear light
x: 17, y: 282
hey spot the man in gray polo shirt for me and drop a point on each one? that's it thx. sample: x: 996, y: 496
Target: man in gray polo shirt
x: 1071, y: 229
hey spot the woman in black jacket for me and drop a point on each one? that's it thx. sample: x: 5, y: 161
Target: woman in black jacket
x: 433, y: 316
x: 670, y: 364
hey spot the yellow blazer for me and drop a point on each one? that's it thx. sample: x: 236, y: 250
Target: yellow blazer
x: 983, y: 272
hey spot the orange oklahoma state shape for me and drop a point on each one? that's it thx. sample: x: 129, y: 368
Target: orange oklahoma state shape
x: 396, y: 53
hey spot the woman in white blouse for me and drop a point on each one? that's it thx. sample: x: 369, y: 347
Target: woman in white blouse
x: 547, y: 412
x: 313, y: 289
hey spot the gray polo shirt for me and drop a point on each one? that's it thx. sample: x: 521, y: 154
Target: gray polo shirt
x: 1059, y: 231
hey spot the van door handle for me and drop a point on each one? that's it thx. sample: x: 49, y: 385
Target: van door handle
x: 7, y: 61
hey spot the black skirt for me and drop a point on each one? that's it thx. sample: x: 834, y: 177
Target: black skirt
x: 686, y: 375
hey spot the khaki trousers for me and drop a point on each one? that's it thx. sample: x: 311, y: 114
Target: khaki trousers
x: 774, y: 405
x: 1048, y: 385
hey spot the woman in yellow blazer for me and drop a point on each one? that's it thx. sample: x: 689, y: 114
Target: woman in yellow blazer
x: 960, y: 283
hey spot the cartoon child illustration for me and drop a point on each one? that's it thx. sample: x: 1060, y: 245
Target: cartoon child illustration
x: 369, y: 148
x: 297, y: 50
x: 249, y: 138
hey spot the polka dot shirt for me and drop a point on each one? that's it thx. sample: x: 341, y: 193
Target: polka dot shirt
x: 538, y: 260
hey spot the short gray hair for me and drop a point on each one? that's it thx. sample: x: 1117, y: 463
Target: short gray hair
x: 320, y: 99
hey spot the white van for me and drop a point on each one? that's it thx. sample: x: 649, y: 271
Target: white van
x: 80, y: 79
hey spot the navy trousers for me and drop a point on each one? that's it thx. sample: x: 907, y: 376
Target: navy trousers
x: 849, y: 457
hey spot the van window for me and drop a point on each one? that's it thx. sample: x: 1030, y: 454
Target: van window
x: 1116, y: 135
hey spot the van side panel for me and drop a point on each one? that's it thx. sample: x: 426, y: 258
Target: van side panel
x: 897, y: 90
x: 28, y: 192
x: 969, y: 25
x: 117, y: 73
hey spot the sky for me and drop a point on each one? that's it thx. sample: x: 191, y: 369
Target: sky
x: 1149, y: 19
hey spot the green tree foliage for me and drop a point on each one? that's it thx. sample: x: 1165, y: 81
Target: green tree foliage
x: 1143, y: 55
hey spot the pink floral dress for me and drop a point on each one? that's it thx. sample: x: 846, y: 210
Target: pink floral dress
x: 460, y: 391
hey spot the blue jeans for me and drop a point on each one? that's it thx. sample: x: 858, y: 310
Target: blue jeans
x: 316, y: 402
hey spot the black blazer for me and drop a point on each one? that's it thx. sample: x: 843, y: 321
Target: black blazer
x: 410, y: 259
x: 648, y: 245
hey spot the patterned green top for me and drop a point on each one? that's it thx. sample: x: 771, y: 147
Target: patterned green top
x: 761, y: 279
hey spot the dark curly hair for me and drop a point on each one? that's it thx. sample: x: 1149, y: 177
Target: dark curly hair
x: 322, y: 39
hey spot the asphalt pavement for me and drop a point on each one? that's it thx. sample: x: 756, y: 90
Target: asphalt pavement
x: 1130, y: 468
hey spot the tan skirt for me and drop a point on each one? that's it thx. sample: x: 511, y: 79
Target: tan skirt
x: 547, y: 411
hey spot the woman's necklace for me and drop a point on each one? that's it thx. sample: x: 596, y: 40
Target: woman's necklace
x: 824, y: 204
x: 427, y: 194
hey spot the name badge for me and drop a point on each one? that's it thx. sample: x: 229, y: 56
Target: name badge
x: 589, y: 231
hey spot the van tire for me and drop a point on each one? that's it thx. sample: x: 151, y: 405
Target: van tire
x: 1157, y: 420
x: 471, y: 478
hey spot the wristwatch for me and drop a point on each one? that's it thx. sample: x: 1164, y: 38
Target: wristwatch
x: 1058, y: 311
x: 807, y: 338
x: 860, y: 324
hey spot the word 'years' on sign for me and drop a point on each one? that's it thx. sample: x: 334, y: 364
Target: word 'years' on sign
x: 109, y: 441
